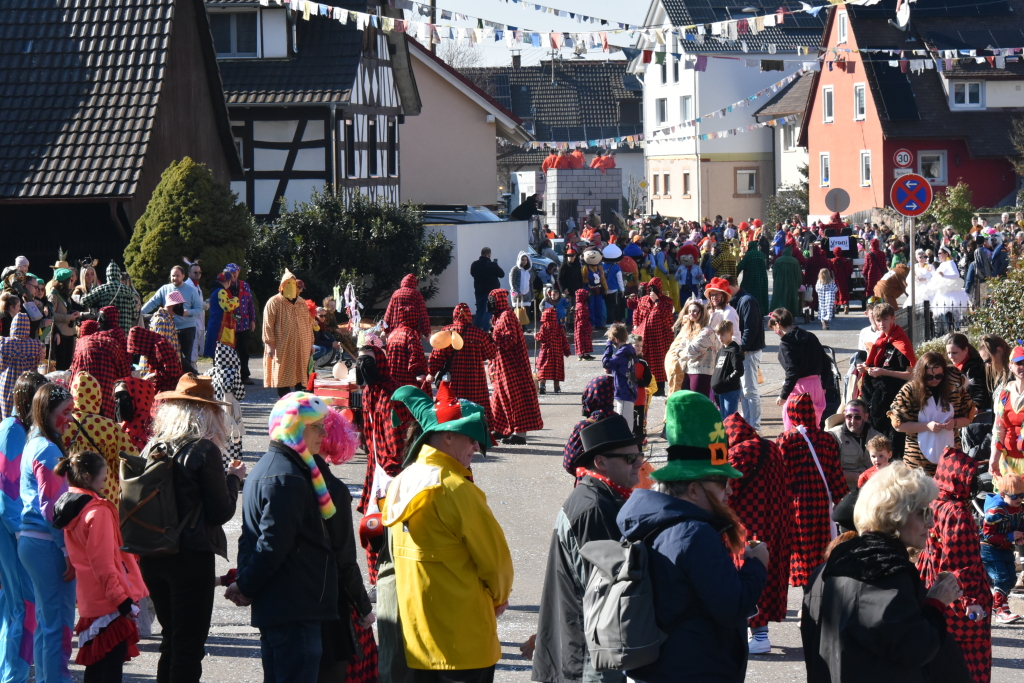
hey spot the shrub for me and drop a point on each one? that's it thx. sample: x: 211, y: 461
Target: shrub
x: 954, y: 207
x: 328, y: 243
x: 1004, y: 314
x: 189, y: 215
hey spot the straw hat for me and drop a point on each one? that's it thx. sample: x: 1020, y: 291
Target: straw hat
x: 192, y: 387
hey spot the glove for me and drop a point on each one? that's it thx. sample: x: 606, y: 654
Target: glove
x: 125, y: 608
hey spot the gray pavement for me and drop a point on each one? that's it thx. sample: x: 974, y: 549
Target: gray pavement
x: 525, y: 486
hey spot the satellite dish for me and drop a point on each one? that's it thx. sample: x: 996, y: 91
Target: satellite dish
x: 903, y: 13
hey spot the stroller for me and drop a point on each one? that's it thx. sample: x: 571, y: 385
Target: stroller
x: 977, y: 443
x: 832, y: 383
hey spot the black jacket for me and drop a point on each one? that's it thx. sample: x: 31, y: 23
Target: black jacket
x: 977, y: 383
x: 866, y: 619
x: 728, y: 369
x: 486, y: 276
x: 570, y: 277
x: 201, y: 479
x: 587, y: 515
x: 286, y: 564
x: 526, y: 210
x: 751, y: 330
x: 800, y: 355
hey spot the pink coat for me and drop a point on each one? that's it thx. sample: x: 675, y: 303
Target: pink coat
x: 107, y: 576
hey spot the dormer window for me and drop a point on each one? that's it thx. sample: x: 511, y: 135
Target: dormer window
x: 843, y: 28
x: 235, y: 34
x: 966, y: 95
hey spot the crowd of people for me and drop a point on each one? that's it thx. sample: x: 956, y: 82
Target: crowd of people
x: 865, y: 502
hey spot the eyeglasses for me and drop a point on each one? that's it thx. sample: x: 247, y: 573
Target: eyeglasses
x: 932, y: 377
x: 927, y: 515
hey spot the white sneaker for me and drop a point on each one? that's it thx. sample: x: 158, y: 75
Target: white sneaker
x: 758, y: 647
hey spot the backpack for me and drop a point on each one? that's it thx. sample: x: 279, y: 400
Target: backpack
x: 151, y: 525
x: 618, y: 606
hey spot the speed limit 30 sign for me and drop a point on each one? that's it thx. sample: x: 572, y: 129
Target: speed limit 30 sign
x: 903, y: 158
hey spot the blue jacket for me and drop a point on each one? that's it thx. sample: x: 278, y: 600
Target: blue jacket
x: 620, y: 362
x: 751, y: 332
x: 193, y: 303
x: 1000, y: 261
x: 700, y: 599
x: 40, y: 487
x: 779, y: 242
x: 285, y: 562
x: 12, y: 444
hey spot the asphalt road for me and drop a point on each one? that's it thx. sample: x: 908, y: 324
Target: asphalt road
x: 525, y: 486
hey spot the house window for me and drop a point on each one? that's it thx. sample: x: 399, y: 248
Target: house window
x: 675, y: 70
x: 932, y: 165
x: 371, y: 147
x: 654, y: 185
x: 686, y: 183
x: 966, y: 95
x: 661, y: 110
x: 664, y: 71
x: 843, y: 27
x: 667, y: 187
x: 865, y: 168
x: 234, y: 33
x: 630, y: 111
x: 823, y: 169
x: 350, y: 148
x: 746, y: 181
x: 826, y: 104
x: 790, y: 133
x: 859, y: 102
x: 392, y: 148
x: 686, y: 108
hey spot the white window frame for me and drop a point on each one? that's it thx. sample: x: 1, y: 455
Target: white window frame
x: 790, y: 137
x: 686, y: 183
x: 865, y: 165
x: 234, y: 42
x: 744, y: 188
x: 664, y: 70
x: 860, y: 90
x: 655, y: 186
x: 943, y: 160
x: 686, y: 109
x: 843, y: 28
x: 980, y: 104
x: 666, y: 185
x: 661, y: 110
x: 828, y: 104
x: 824, y: 161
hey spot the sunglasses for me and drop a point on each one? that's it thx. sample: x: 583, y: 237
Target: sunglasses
x: 932, y: 377
x: 630, y: 458
x: 1014, y: 496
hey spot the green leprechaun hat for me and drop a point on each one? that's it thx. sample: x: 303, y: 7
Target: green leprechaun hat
x: 446, y: 413
x: 696, y: 436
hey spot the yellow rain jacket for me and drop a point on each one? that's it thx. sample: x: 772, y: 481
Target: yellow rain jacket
x: 452, y: 564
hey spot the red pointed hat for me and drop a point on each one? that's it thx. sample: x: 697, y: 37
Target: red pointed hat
x: 446, y: 405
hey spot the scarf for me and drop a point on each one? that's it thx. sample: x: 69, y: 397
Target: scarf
x: 900, y: 341
x: 621, y: 490
x: 288, y: 419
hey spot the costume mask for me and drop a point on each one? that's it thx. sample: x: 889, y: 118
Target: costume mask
x: 290, y: 290
x: 366, y: 371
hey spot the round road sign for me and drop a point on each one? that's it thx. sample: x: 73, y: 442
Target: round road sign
x: 903, y: 158
x: 837, y: 199
x: 911, y: 195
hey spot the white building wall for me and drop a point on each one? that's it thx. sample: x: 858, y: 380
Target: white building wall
x: 455, y: 284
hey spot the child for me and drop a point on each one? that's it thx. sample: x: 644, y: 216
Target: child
x: 826, y: 289
x: 583, y: 334
x: 1004, y: 527
x: 880, y: 452
x: 644, y: 376
x: 725, y: 380
x: 109, y: 581
x: 554, y: 347
x: 553, y: 299
x: 619, y: 360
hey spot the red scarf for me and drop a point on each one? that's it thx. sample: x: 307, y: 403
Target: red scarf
x: 621, y: 490
x: 899, y: 339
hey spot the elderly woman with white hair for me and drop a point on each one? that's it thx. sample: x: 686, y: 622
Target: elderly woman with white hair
x: 867, y: 616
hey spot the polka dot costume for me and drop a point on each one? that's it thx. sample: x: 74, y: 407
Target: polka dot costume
x: 90, y: 431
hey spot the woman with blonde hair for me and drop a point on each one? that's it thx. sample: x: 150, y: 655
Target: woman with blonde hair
x: 826, y: 288
x: 191, y: 427
x: 867, y: 615
x: 696, y: 346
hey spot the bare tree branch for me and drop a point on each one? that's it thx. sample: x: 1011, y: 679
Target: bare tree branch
x: 460, y: 56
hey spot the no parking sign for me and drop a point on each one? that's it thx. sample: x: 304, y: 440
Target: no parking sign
x: 911, y: 195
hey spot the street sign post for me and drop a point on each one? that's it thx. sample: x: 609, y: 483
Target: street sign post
x: 903, y: 158
x: 837, y: 200
x: 911, y: 195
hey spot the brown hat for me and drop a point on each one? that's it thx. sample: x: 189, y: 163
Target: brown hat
x: 192, y: 387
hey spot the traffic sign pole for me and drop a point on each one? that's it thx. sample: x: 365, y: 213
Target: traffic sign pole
x: 913, y: 278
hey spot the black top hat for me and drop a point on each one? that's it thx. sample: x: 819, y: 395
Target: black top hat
x: 603, y: 436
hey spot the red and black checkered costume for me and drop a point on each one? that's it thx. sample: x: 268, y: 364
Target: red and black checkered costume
x: 554, y: 347
x: 653, y: 322
x: 405, y: 348
x: 598, y: 404
x: 102, y: 358
x: 466, y: 366
x: 110, y: 330
x: 514, y: 405
x: 761, y: 500
x: 408, y: 297
x: 142, y: 392
x: 363, y: 667
x: 812, y: 521
x: 874, y: 267
x: 161, y: 357
x: 953, y: 547
x: 583, y: 332
x: 842, y: 268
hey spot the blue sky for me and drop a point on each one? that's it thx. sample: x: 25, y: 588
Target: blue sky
x: 626, y: 11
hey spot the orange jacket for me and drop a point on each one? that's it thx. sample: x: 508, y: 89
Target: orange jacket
x: 577, y: 159
x: 106, y: 575
x: 562, y: 162
x: 549, y: 162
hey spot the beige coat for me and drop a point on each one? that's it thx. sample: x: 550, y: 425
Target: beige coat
x: 289, y: 329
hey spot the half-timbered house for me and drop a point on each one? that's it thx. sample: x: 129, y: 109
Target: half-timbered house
x: 314, y: 103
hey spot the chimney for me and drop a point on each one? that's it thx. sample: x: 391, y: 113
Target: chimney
x: 517, y: 61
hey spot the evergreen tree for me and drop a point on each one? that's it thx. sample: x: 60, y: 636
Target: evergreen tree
x: 189, y: 215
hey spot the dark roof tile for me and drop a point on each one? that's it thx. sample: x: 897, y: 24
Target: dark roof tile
x: 792, y: 99
x: 799, y: 29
